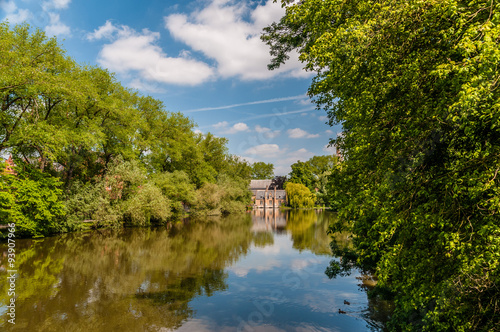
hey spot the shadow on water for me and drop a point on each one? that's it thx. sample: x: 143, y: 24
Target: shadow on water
x: 151, y: 279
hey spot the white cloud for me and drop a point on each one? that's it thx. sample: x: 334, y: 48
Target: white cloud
x: 137, y: 53
x: 299, y: 133
x: 323, y: 118
x: 103, y: 32
x: 56, y: 27
x: 264, y: 150
x: 260, y: 129
x: 56, y: 4
x: 220, y: 32
x: 14, y: 15
x: 329, y: 132
x: 238, y: 127
x: 8, y: 6
x: 267, y: 132
x: 222, y: 124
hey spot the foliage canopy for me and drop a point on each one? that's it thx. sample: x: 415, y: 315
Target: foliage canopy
x: 262, y: 170
x: 415, y: 85
x: 89, y: 149
x: 299, y: 196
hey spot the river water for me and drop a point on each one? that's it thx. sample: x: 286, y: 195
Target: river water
x: 262, y: 271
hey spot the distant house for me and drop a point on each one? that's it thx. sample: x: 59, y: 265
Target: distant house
x: 9, y: 166
x: 265, y: 195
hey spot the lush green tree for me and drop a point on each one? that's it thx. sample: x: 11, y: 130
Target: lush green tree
x: 228, y: 195
x: 146, y: 206
x: 262, y: 171
x: 322, y: 164
x: 237, y: 167
x: 415, y: 86
x: 178, y: 188
x: 120, y: 157
x: 209, y: 198
x: 299, y: 196
x: 302, y: 173
x: 237, y: 195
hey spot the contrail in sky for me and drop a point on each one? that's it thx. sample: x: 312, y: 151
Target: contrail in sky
x: 269, y: 115
x: 274, y: 100
x: 309, y: 109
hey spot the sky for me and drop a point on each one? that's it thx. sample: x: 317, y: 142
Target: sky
x: 203, y: 58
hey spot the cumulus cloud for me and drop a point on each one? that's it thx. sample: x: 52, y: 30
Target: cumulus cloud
x: 14, y: 15
x: 264, y: 150
x: 299, y: 133
x: 221, y: 33
x: 267, y: 133
x: 323, y: 118
x: 222, y: 124
x: 56, y: 4
x: 105, y: 32
x: 132, y: 52
x: 238, y: 127
x: 56, y: 27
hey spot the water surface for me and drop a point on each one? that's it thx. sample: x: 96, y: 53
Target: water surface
x: 263, y: 271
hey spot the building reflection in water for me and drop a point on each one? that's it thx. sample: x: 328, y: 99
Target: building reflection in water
x: 266, y: 220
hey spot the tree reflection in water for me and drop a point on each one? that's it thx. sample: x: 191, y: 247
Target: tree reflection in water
x: 146, y: 279
x: 129, y: 279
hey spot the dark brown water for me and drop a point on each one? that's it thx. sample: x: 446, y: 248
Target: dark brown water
x: 255, y: 272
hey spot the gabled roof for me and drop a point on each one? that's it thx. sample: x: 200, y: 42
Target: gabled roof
x: 260, y: 184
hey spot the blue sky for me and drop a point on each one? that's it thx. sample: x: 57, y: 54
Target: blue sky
x: 203, y: 58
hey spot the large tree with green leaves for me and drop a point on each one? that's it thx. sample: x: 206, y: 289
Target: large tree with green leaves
x: 302, y: 173
x: 314, y: 175
x: 299, y: 196
x: 415, y: 85
x: 262, y: 170
x: 97, y: 150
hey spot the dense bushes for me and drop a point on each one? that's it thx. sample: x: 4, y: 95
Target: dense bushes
x: 31, y: 200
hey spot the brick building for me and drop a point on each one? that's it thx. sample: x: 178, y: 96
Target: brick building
x: 265, y: 195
